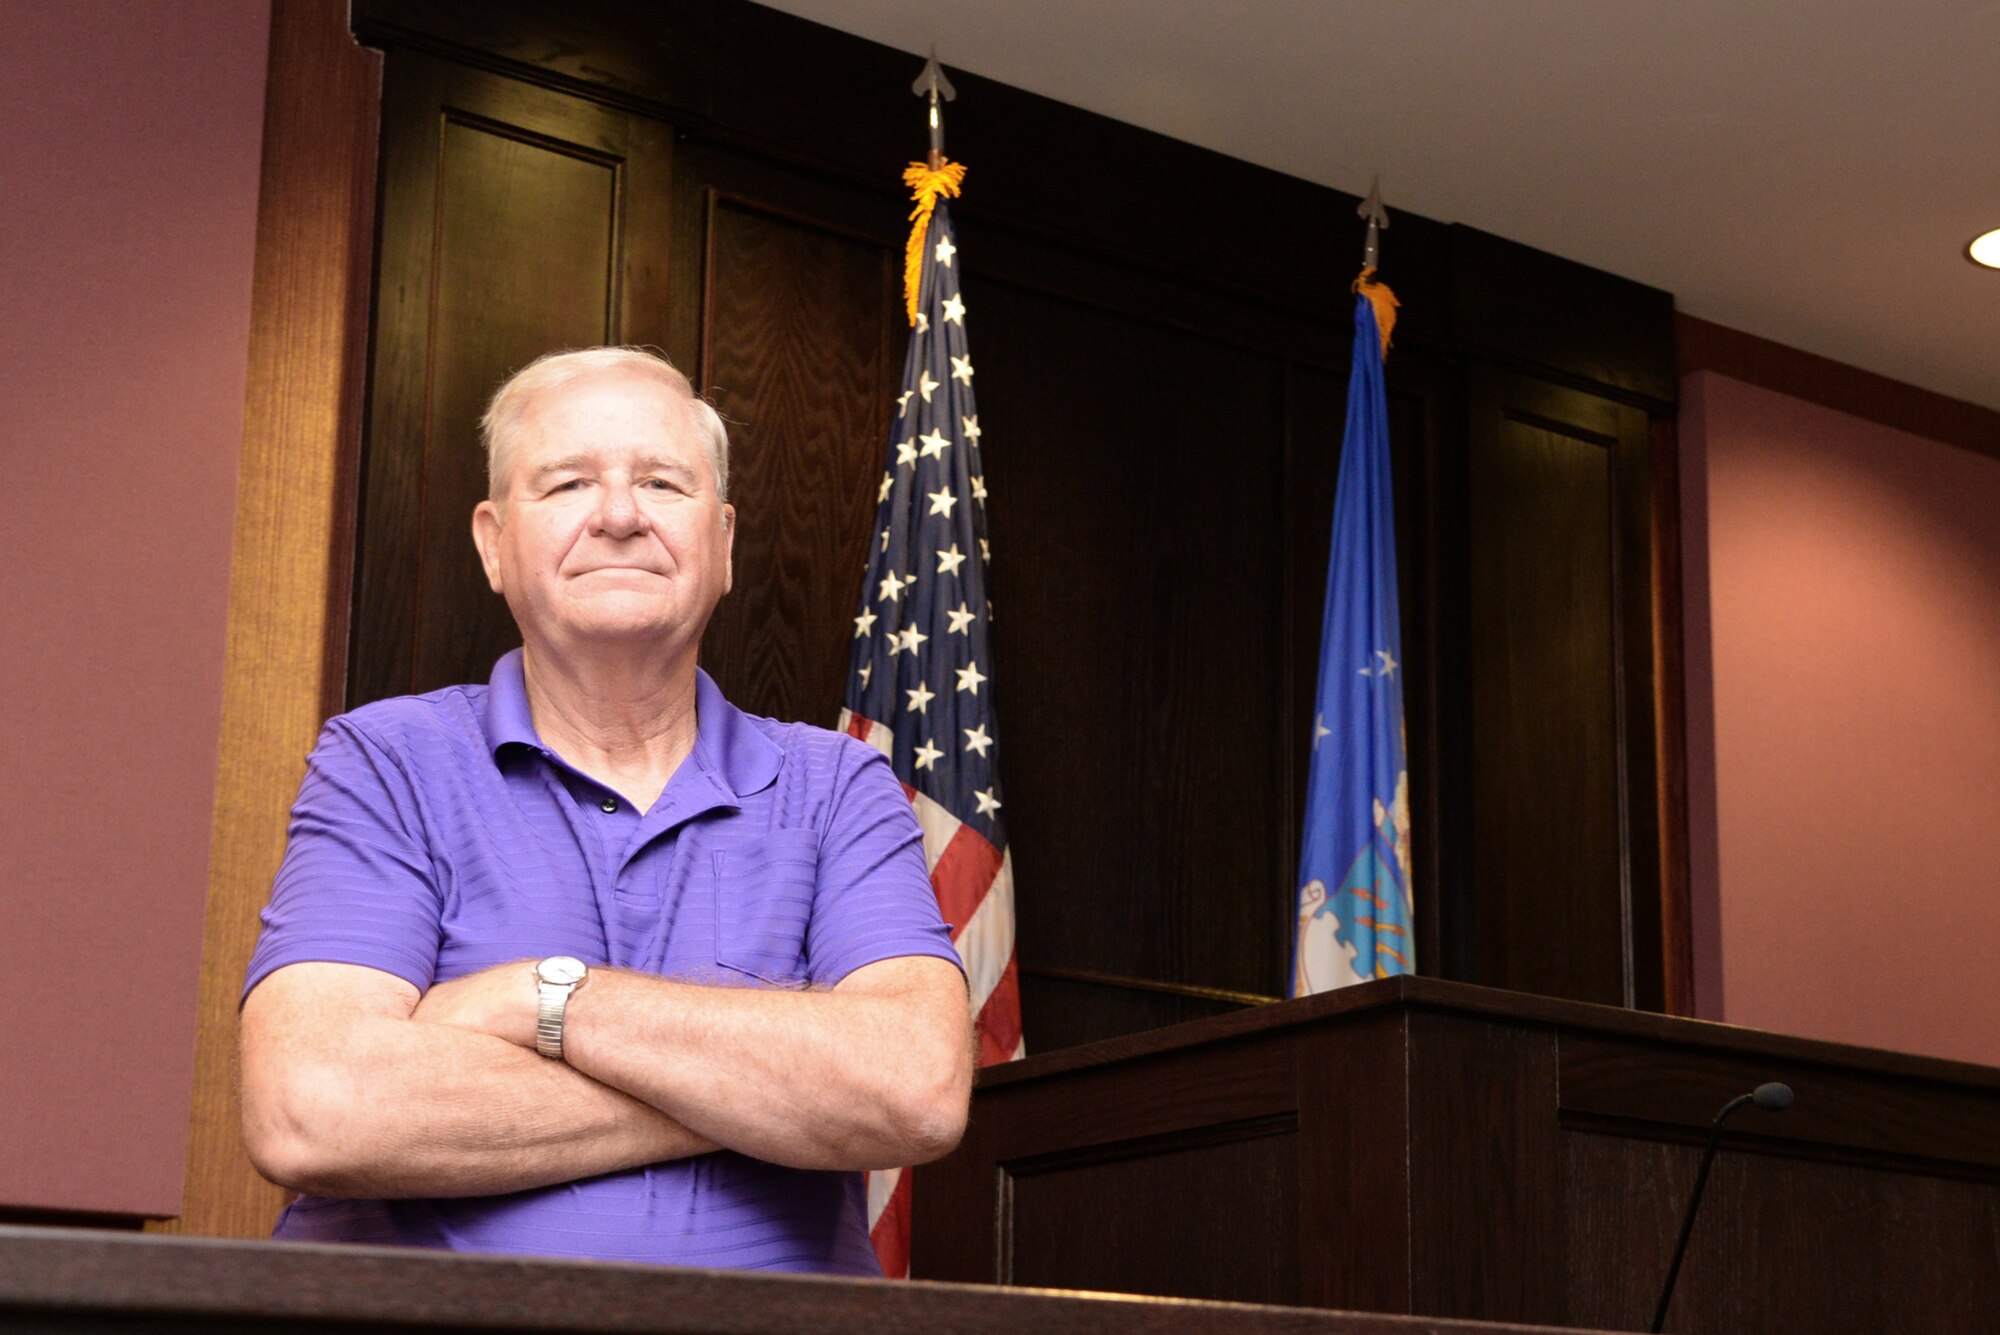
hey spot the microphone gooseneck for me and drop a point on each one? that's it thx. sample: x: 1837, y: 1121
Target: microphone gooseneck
x: 1771, y: 1097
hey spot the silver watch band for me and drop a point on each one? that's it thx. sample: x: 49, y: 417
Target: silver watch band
x: 555, y: 979
x: 554, y: 1001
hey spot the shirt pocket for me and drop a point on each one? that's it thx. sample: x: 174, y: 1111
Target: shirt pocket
x: 763, y: 905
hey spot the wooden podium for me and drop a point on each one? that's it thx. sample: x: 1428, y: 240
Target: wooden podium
x: 1416, y: 1146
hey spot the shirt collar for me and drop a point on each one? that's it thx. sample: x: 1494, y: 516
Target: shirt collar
x: 507, y: 715
x: 726, y: 743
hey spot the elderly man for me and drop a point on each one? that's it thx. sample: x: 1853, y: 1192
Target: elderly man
x: 586, y: 961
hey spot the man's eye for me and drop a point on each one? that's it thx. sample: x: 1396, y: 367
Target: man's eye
x: 573, y: 484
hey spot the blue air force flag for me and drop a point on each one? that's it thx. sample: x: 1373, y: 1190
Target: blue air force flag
x: 1354, y: 866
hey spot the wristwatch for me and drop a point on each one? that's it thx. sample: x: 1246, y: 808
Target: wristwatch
x: 555, y: 977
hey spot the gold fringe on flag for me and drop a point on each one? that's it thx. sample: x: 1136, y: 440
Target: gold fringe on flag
x: 1379, y: 296
x: 926, y: 184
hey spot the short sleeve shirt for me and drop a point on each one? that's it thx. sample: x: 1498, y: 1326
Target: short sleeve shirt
x: 435, y: 836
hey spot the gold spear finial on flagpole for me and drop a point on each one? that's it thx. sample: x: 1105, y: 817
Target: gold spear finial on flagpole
x: 928, y: 180
x: 933, y: 84
x: 1378, y: 294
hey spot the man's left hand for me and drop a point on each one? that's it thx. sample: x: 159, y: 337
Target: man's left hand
x: 500, y: 1001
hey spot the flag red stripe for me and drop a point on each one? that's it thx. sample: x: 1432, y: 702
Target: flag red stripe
x: 963, y: 875
x: 1000, y: 1019
x: 891, y: 1235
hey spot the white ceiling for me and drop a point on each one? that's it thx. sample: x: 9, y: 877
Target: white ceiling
x: 1810, y: 172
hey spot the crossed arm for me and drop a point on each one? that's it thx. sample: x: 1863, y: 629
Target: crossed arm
x: 354, y: 1084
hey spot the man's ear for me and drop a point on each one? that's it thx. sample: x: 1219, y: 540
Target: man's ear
x: 728, y: 547
x: 486, y: 537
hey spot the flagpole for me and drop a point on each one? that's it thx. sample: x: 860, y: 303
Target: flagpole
x: 920, y: 687
x: 1353, y: 885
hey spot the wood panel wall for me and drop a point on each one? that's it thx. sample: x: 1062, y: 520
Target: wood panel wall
x: 1162, y: 345
x: 515, y: 221
x: 288, y: 592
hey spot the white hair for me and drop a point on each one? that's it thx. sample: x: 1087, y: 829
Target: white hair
x: 501, y: 425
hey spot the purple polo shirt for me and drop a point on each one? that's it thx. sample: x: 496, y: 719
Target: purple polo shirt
x: 435, y: 835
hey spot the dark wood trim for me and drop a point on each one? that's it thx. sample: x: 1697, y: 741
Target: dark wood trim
x: 1670, y: 723
x: 1150, y: 985
x: 1466, y: 999
x: 287, y: 596
x: 1553, y: 318
x: 1702, y: 346
x: 1058, y: 177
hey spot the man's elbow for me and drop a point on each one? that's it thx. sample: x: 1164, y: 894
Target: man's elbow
x: 282, y: 1156
x: 936, y: 1132
x: 293, y: 1136
x: 936, y: 1107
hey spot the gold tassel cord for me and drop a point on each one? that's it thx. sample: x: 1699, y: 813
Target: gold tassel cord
x: 927, y: 184
x: 1379, y: 296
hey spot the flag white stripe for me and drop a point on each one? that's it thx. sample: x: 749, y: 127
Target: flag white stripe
x: 939, y: 825
x: 987, y: 942
x: 881, y: 1186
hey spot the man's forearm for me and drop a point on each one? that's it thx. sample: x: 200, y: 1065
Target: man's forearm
x: 407, y: 1108
x: 806, y: 1079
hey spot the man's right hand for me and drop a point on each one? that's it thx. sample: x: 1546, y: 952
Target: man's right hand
x: 500, y: 1001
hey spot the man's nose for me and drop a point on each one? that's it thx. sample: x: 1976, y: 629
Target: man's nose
x: 618, y: 512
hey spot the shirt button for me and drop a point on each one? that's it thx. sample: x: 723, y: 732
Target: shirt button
x: 610, y: 805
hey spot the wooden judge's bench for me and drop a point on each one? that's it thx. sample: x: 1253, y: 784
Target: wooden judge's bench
x: 1416, y: 1153
x: 1417, y: 1146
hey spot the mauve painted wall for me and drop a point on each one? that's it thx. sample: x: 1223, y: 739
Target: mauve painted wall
x: 128, y: 202
x: 1843, y: 593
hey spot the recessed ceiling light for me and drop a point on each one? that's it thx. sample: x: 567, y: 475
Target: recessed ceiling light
x: 1986, y: 249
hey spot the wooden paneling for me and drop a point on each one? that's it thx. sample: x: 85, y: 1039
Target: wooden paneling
x: 1524, y: 308
x: 1645, y: 1087
x: 1915, y: 1253
x: 1353, y: 1125
x: 1162, y: 362
x: 1481, y: 1140
x: 796, y: 359
x: 288, y: 583
x: 1118, y: 1217
x: 516, y: 222
x: 754, y: 79
x: 1566, y: 897
x: 1464, y: 1152
x: 1091, y: 1170
x: 1122, y: 522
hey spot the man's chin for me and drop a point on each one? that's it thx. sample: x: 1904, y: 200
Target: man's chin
x: 592, y: 583
x: 613, y: 622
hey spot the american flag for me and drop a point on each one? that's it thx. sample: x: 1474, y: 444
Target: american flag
x: 920, y: 684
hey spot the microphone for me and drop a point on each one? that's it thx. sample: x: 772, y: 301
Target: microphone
x: 1771, y: 1097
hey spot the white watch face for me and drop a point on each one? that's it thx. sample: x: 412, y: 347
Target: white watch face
x: 561, y: 970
